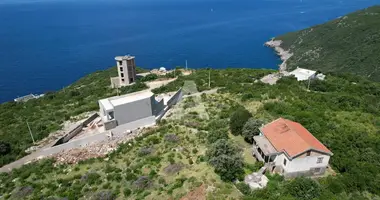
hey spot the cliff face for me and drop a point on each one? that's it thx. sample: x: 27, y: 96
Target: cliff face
x: 347, y: 44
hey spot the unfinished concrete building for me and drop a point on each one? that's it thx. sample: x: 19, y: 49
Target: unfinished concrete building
x: 126, y: 68
x: 135, y: 109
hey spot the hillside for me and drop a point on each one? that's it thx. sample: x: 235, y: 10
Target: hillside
x: 347, y: 44
x: 47, y: 114
x: 174, y: 158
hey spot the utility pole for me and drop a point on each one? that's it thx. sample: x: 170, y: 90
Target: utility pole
x: 30, y: 131
x: 209, y: 77
x: 186, y: 65
x: 308, y: 85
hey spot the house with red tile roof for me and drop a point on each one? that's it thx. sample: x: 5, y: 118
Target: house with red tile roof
x: 288, y: 148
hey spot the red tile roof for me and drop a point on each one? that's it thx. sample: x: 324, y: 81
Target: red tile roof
x: 291, y: 137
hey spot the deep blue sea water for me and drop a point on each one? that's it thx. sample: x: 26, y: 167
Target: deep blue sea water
x: 48, y: 44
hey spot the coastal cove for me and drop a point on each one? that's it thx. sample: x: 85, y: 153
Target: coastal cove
x: 47, y: 45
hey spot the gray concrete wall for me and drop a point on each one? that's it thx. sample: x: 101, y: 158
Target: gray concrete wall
x: 72, y: 133
x: 175, y: 98
x: 110, y: 125
x: 148, y: 121
x: 157, y: 107
x: 133, y: 111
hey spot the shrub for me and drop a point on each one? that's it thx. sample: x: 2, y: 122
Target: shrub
x: 91, y: 177
x: 143, y: 182
x: 303, y: 188
x: 5, y: 148
x: 173, y: 168
x: 171, y: 138
x: 145, y: 151
x: 243, y: 188
x: 238, y: 120
x: 227, y: 160
x: 24, y: 191
x: 214, y: 135
x: 127, y: 192
x: 103, y: 195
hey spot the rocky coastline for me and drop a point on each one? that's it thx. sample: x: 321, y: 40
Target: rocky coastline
x: 284, y: 56
x: 282, y: 53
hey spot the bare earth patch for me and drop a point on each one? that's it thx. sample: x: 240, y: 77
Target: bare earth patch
x: 197, y: 194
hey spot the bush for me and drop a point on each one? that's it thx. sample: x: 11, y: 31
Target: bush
x: 238, y: 120
x: 251, y: 128
x: 215, y: 135
x: 143, y: 182
x: 171, y: 138
x: 5, y: 148
x: 303, y: 188
x: 145, y: 151
x: 243, y: 188
x: 227, y: 160
x: 173, y: 168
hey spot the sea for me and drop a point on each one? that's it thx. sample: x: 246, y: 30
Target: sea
x: 46, y: 45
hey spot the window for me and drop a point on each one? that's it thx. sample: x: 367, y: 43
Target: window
x: 121, y: 74
x: 120, y: 62
x: 320, y: 160
x: 122, y: 80
x: 111, y: 115
x: 131, y: 80
x: 121, y: 69
x: 308, y: 153
x: 284, y: 162
x: 317, y: 170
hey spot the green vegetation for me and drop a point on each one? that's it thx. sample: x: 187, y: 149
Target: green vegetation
x: 251, y: 128
x: 227, y: 160
x: 238, y: 119
x: 190, y: 148
x: 165, y: 163
x: 348, y: 44
x: 47, y: 114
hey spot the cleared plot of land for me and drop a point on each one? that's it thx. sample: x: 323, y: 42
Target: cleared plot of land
x: 189, y: 87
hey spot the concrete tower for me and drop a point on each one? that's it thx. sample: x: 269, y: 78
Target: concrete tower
x: 126, y: 68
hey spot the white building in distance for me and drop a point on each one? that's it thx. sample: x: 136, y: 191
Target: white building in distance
x: 305, y: 74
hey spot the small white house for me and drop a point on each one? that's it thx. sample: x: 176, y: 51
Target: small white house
x: 290, y: 149
x: 305, y: 74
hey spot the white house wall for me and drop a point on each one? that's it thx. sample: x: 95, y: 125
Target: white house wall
x: 306, y: 163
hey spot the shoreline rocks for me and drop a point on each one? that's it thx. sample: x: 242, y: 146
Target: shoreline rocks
x: 282, y: 53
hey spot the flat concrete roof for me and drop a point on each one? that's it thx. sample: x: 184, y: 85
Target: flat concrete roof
x: 265, y: 145
x: 126, y: 57
x: 106, y: 104
x: 302, y: 74
x: 120, y: 100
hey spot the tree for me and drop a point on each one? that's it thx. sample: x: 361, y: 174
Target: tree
x: 251, y: 128
x: 5, y: 148
x: 238, y: 120
x: 304, y: 188
x: 222, y: 147
x: 227, y: 160
x: 228, y: 167
x: 215, y: 135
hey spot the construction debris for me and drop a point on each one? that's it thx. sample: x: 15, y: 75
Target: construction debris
x: 95, y: 150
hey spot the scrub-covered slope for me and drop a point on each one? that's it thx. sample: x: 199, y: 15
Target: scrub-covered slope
x: 348, y: 44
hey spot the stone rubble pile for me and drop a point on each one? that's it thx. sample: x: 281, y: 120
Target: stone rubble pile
x: 96, y: 150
